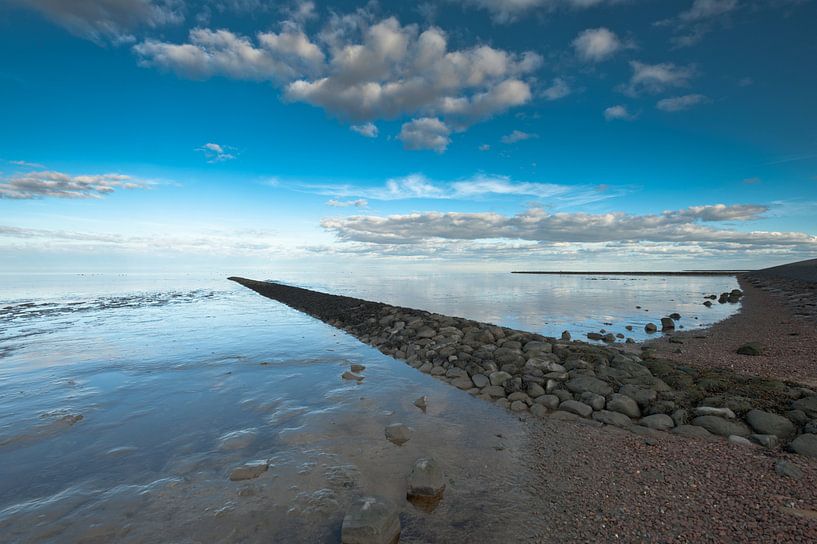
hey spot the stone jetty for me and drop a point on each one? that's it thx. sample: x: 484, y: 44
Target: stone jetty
x: 538, y: 376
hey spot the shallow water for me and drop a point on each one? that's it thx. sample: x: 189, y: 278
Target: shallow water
x: 180, y: 379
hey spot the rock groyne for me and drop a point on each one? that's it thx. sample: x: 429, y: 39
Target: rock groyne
x: 539, y: 376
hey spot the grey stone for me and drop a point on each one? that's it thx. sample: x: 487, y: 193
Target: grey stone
x: 768, y: 423
x: 787, y: 469
x: 769, y: 441
x: 437, y: 370
x: 499, y: 377
x: 398, y: 433
x: 421, y: 403
x: 660, y: 422
x: 464, y: 383
x: 537, y: 346
x: 535, y: 390
x: 503, y: 403
x: 426, y: 332
x: 805, y: 444
x: 371, y: 520
x: 494, y: 391
x: 351, y: 376
x: 739, y: 440
x: 538, y: 410
x: 714, y: 411
x: 426, y: 367
x: 722, y: 427
x: 562, y: 394
x: 576, y: 407
x: 808, y: 405
x: 519, y: 406
x: 623, y: 404
x: 426, y: 479
x: 680, y: 416
x: 551, y: 402
x: 616, y: 419
x: 518, y: 395
x: 357, y: 367
x: 249, y: 471
x: 480, y: 380
x: 691, y: 431
x: 642, y: 395
x: 596, y: 402
x: 580, y: 384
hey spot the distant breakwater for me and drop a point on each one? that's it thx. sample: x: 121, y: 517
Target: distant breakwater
x: 539, y: 376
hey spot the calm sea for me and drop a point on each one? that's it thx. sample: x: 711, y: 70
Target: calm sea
x: 126, y: 400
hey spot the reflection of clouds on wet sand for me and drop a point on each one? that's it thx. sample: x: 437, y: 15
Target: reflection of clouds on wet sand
x: 174, y: 405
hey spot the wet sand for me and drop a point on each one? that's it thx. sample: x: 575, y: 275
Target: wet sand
x: 778, y: 313
x: 605, y: 484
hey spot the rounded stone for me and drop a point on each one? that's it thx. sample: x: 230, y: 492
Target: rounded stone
x: 805, y: 444
x: 371, y: 520
x: 768, y: 423
x: 660, y: 422
x: 426, y: 479
x: 397, y: 433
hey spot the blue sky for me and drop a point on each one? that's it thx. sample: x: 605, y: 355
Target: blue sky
x: 493, y: 134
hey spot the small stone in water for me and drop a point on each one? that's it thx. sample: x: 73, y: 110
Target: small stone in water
x: 421, y: 403
x: 357, y: 367
x: 398, y: 433
x: 351, y: 376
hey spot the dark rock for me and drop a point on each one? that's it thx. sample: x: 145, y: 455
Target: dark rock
x: 667, y: 324
x: 624, y: 405
x: 768, y: 423
x: 659, y: 422
x: 808, y: 405
x: 398, y: 433
x: 576, y: 407
x: 249, y: 471
x: 691, y: 431
x: 426, y: 479
x: 752, y: 348
x: 581, y: 384
x: 805, y: 444
x: 650, y: 327
x: 722, y: 427
x: 787, y: 469
x: 616, y: 419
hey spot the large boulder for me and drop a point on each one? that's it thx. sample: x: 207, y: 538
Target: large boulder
x: 426, y: 479
x: 659, y: 422
x: 808, y: 405
x: 624, y: 405
x: 768, y: 423
x: 581, y: 384
x: 616, y: 419
x: 722, y: 427
x: 805, y: 444
x: 576, y: 407
x: 371, y: 520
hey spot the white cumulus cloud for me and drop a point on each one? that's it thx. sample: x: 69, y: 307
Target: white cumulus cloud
x: 425, y: 133
x: 596, y: 44
x: 680, y: 103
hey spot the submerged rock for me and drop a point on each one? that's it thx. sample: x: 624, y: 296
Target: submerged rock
x: 397, y: 433
x: 371, y: 520
x: 351, y: 376
x: 426, y: 479
x: 249, y: 471
x: 421, y: 403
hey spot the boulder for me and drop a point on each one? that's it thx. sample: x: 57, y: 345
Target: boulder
x: 624, y: 405
x: 538, y: 410
x: 768, y: 423
x: 740, y: 441
x: 566, y: 335
x: 463, y: 383
x: 596, y: 402
x: 581, y: 384
x: 519, y: 406
x: 426, y: 479
x: 535, y: 390
x: 667, y: 324
x: 807, y: 405
x: 722, y: 427
x: 787, y: 469
x: 805, y: 444
x: 642, y: 395
x: 499, y: 377
x: 397, y: 433
x: 650, y: 327
x: 659, y: 422
x: 768, y: 441
x: 616, y: 419
x: 752, y: 349
x: 249, y: 471
x: 480, y: 380
x: 551, y: 402
x: 576, y: 407
x: 714, y: 411
x: 371, y: 520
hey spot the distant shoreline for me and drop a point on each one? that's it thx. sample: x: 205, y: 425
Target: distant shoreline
x: 676, y: 273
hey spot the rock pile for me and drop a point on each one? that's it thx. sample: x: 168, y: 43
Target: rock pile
x: 530, y: 374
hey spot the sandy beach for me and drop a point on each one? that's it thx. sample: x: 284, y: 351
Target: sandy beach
x: 661, y: 473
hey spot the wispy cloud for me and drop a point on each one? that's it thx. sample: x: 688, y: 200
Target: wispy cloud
x: 108, y: 20
x: 369, y: 130
x: 417, y: 186
x: 596, y: 44
x: 358, y: 203
x: 52, y: 184
x: 618, y: 112
x: 680, y: 103
x: 517, y: 136
x: 654, y: 78
x: 217, y: 152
